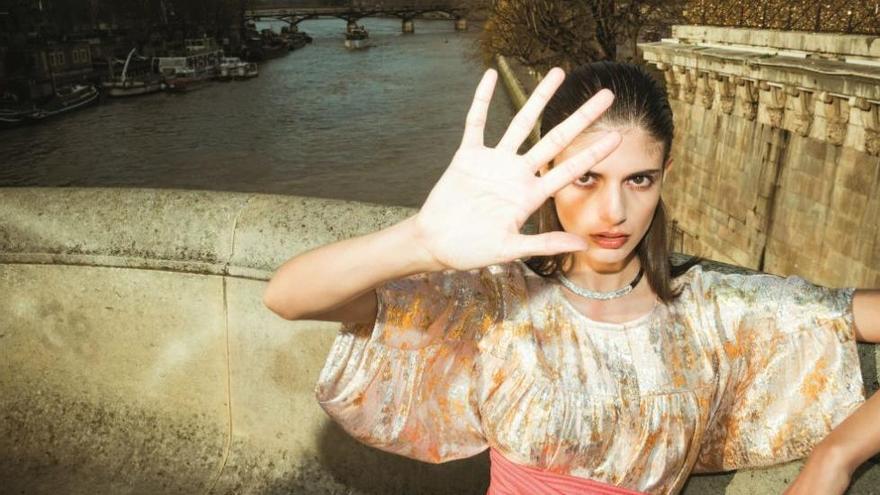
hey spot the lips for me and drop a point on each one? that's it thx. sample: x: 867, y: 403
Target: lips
x: 609, y: 240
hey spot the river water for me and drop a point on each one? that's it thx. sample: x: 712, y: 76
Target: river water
x: 377, y: 125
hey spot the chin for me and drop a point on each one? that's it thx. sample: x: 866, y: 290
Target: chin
x: 601, y: 256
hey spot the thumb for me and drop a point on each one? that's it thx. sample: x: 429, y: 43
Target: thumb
x: 548, y: 244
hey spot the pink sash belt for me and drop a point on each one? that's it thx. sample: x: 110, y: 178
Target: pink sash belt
x: 508, y: 478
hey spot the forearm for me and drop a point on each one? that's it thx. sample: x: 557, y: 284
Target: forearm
x: 857, y: 438
x: 323, y: 278
x: 866, y: 313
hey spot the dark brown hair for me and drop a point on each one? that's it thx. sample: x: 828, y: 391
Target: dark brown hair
x: 639, y: 101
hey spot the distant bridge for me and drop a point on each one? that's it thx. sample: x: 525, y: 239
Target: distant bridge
x: 352, y: 14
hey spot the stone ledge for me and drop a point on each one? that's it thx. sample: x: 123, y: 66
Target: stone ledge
x: 214, y: 233
x: 804, y: 41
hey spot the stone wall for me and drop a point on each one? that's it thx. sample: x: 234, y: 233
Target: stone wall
x: 777, y: 149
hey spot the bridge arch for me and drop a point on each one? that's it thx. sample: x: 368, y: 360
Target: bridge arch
x: 295, y: 15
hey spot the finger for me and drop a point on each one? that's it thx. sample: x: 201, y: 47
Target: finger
x: 476, y: 116
x: 572, y: 168
x: 524, y: 121
x: 548, y: 244
x: 563, y: 134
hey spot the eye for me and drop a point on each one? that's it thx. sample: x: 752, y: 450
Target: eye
x: 642, y: 181
x: 585, y: 180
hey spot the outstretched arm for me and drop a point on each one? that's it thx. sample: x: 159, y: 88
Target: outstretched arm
x: 855, y: 440
x: 471, y: 218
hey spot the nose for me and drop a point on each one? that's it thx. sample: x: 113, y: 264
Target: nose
x: 612, y: 206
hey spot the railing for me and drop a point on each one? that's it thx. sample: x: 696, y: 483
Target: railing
x: 280, y: 10
x: 839, y: 16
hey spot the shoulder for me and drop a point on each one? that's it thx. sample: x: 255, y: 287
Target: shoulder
x: 715, y: 278
x: 741, y: 290
x: 729, y: 289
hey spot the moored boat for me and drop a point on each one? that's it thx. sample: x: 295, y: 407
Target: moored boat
x: 133, y: 87
x: 185, y: 80
x: 139, y: 81
x: 295, y: 38
x: 12, y: 117
x: 356, y: 37
x: 264, y: 46
x: 65, y: 100
x: 198, y: 65
x: 249, y: 71
x: 229, y: 68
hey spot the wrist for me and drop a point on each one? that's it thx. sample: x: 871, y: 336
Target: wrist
x: 416, y: 257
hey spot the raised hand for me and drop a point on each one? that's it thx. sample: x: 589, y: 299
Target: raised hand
x: 473, y: 215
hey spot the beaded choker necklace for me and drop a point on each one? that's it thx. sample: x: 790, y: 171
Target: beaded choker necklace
x: 601, y: 295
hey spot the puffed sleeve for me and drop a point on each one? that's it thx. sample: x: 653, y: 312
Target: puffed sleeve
x: 406, y: 382
x: 788, y: 368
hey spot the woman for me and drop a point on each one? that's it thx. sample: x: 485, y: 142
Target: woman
x: 593, y: 366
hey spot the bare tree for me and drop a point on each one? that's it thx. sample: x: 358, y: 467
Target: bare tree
x: 546, y: 33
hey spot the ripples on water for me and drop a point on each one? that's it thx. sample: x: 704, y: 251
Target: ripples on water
x: 377, y: 125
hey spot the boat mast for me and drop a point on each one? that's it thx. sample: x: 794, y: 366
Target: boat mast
x: 127, y: 60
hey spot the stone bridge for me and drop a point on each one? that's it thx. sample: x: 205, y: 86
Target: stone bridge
x: 777, y: 149
x: 353, y: 13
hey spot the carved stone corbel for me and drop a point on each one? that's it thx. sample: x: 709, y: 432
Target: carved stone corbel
x: 860, y: 103
x: 747, y: 95
x: 726, y: 93
x: 802, y: 101
x: 776, y: 109
x: 689, y: 85
x: 707, y: 88
x: 671, y: 81
x: 775, y: 103
x: 836, y: 116
x: 871, y: 119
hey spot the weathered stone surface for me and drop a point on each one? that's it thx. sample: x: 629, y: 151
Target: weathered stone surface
x: 118, y: 377
x: 111, y: 380
x: 802, y: 177
x: 140, y: 227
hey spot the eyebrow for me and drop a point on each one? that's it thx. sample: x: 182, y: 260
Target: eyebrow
x: 650, y: 171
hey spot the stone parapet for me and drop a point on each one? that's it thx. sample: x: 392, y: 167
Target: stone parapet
x: 137, y: 356
x: 825, y: 45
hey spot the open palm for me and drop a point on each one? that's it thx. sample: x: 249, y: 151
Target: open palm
x: 473, y: 215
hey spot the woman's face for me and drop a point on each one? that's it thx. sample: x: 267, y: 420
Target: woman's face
x: 612, y: 205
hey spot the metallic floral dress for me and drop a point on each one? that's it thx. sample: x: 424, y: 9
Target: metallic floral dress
x: 742, y: 370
